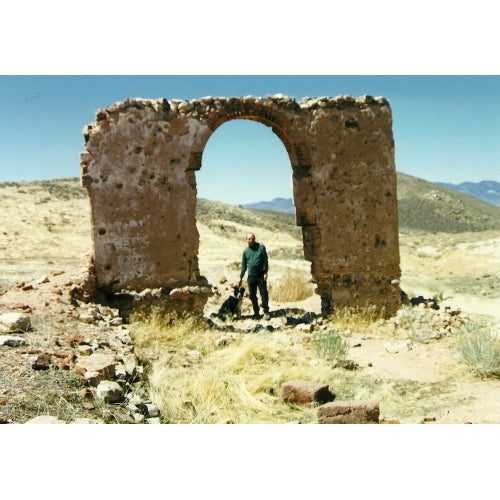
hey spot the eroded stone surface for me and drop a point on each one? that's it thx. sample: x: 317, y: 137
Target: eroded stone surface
x: 139, y: 169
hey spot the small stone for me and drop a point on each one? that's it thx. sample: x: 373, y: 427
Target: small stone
x: 395, y: 347
x: 149, y: 410
x: 14, y: 322
x: 85, y: 350
x: 109, y: 391
x: 304, y: 327
x: 93, y: 378
x: 11, y: 341
x: 42, y: 362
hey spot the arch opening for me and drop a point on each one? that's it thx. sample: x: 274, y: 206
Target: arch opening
x: 246, y: 168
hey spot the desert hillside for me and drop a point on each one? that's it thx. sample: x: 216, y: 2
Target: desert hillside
x: 232, y: 372
x: 449, y: 242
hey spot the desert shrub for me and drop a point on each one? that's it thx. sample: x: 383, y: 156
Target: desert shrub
x: 415, y: 323
x: 330, y: 345
x: 294, y: 286
x: 479, y: 349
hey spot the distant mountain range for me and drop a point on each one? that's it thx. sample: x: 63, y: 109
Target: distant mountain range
x: 427, y: 206
x: 275, y: 205
x: 488, y: 191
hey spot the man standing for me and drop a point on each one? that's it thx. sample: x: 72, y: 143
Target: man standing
x: 255, y: 260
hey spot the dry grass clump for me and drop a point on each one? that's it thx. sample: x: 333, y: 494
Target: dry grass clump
x: 479, y: 349
x: 158, y: 333
x: 293, y: 286
x: 357, y: 319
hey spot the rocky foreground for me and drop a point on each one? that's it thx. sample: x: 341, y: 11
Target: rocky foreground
x: 67, y: 360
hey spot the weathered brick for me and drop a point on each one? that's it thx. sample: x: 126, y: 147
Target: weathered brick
x: 303, y: 391
x: 349, y: 412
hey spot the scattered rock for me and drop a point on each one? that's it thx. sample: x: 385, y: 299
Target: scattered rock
x: 148, y: 410
x: 102, y: 363
x: 109, y: 391
x: 14, y: 322
x: 428, y: 419
x: 11, y: 341
x: 304, y: 327
x: 41, y: 362
x: 397, y: 346
x: 83, y: 420
x: 347, y: 364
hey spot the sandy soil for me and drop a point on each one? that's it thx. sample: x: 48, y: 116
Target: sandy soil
x: 463, y: 270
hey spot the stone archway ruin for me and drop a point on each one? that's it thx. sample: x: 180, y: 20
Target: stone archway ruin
x: 139, y: 169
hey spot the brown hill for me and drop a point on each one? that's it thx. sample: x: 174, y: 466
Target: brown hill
x: 428, y: 207
x: 423, y: 206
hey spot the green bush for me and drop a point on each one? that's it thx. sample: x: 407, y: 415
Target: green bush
x: 330, y: 345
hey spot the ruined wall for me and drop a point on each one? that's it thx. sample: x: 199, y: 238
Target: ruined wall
x: 139, y: 168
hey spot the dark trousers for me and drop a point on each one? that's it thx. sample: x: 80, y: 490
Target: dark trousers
x: 255, y: 282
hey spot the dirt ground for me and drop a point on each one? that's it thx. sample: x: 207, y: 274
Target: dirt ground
x: 462, y: 269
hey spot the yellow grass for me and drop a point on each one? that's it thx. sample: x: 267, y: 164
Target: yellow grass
x: 239, y: 381
x: 294, y: 285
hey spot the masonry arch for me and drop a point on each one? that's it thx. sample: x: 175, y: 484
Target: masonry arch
x: 139, y: 169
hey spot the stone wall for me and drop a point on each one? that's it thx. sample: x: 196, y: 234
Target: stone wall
x: 139, y: 168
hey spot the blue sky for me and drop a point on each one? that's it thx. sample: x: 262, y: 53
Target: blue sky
x: 446, y: 128
x: 64, y: 61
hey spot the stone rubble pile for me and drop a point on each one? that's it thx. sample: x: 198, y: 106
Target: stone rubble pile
x: 102, y: 358
x: 427, y: 315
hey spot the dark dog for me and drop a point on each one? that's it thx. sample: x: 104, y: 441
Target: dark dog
x: 232, y: 305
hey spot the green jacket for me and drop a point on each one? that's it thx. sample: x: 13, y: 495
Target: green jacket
x: 255, y: 260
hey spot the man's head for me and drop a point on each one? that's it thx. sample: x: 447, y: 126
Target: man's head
x: 250, y: 239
